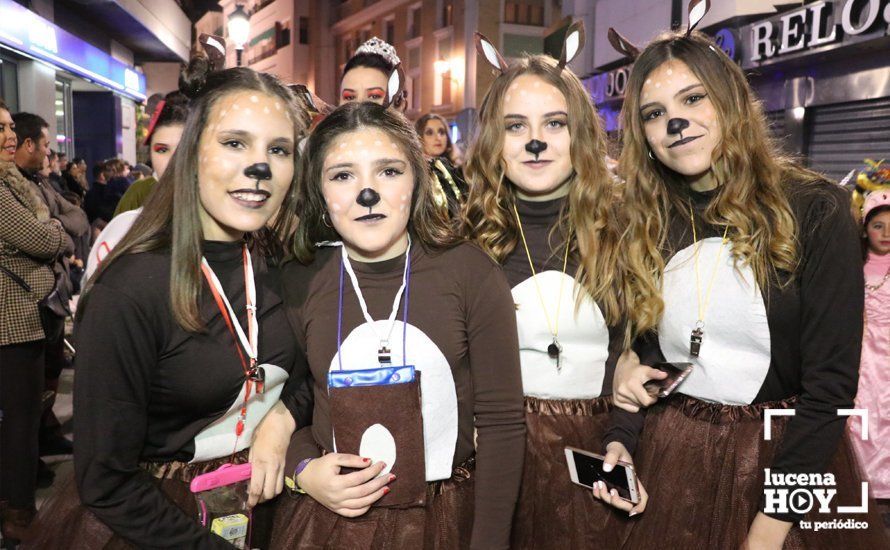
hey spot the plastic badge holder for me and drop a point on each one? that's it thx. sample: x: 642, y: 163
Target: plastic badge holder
x: 221, y: 496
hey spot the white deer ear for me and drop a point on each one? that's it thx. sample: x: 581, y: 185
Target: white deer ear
x: 215, y: 48
x: 697, y: 11
x: 490, y: 53
x: 394, y: 84
x: 573, y: 43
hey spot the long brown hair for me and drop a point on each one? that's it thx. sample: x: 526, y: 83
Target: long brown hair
x: 426, y: 224
x: 171, y: 218
x: 488, y: 214
x: 752, y: 178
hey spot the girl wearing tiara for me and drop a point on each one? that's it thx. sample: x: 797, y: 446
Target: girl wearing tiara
x: 540, y: 205
x: 745, y: 265
x: 417, y: 433
x: 365, y: 74
x: 164, y: 390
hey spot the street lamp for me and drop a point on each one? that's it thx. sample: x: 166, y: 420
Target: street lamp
x: 442, y: 66
x: 239, y: 30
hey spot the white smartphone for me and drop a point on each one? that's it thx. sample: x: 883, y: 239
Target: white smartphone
x: 586, y: 468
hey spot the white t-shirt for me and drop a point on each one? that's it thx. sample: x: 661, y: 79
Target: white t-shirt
x: 108, y: 239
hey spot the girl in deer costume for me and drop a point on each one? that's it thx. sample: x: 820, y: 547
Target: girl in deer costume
x: 417, y: 434
x: 541, y: 205
x: 746, y: 265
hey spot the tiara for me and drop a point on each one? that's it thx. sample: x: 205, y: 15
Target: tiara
x: 379, y: 47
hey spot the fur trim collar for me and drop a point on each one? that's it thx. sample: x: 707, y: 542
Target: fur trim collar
x: 24, y: 190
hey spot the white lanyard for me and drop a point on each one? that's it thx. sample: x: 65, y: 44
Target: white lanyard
x: 384, y: 341
x: 249, y: 343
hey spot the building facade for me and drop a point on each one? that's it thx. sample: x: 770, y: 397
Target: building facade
x: 78, y: 65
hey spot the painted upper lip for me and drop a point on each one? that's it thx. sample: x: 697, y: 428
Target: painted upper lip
x: 683, y: 141
x: 371, y: 216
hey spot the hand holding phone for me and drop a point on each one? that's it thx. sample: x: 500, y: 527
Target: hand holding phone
x: 586, y: 469
x: 677, y: 373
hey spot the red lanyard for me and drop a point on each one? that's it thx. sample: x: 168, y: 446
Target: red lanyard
x: 254, y: 377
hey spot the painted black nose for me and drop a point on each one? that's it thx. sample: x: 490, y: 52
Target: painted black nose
x: 677, y: 125
x: 368, y: 197
x: 535, y: 147
x: 258, y: 171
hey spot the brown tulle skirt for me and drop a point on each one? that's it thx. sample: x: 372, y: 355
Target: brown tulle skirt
x: 446, y: 522
x: 65, y: 524
x: 553, y: 512
x: 703, y: 467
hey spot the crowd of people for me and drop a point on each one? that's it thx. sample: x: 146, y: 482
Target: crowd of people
x: 405, y: 341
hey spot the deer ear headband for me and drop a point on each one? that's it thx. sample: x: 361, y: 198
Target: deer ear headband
x: 395, y: 87
x: 215, y: 48
x: 571, y: 47
x: 695, y: 13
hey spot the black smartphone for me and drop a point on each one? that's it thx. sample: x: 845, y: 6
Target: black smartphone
x: 586, y: 468
x: 677, y: 374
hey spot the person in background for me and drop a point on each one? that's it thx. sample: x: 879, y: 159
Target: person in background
x: 449, y: 187
x: 63, y: 162
x: 53, y: 173
x: 30, y: 239
x: 118, y: 173
x: 141, y: 171
x: 366, y: 73
x: 102, y: 198
x: 75, y: 177
x: 30, y: 156
x: 162, y: 138
x: 874, y: 367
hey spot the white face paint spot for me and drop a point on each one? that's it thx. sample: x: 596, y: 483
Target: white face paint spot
x: 648, y: 81
x: 379, y: 445
x: 507, y: 97
x: 248, y: 112
x: 236, y: 106
x: 404, y: 198
x: 222, y: 113
x: 378, y: 143
x: 658, y: 84
x: 335, y: 207
x: 537, y: 84
x: 403, y: 207
x: 523, y: 92
x: 266, y: 110
x: 277, y: 106
x: 393, y: 145
x: 670, y: 72
x: 343, y: 145
x: 357, y: 142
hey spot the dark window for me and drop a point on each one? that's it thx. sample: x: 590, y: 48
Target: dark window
x: 447, y: 14
x: 304, y: 30
x: 389, y: 30
x: 414, y: 23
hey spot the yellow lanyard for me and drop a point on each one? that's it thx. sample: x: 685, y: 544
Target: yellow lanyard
x: 698, y: 331
x: 554, y: 349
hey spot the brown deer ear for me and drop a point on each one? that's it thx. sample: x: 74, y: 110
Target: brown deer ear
x: 395, y: 84
x: 696, y: 12
x: 305, y: 95
x: 215, y: 48
x: 622, y: 45
x: 488, y: 52
x: 573, y: 43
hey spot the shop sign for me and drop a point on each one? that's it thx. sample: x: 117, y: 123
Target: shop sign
x: 24, y: 31
x: 816, y: 25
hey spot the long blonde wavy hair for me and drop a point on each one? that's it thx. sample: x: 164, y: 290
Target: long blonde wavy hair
x: 488, y: 215
x: 754, y: 179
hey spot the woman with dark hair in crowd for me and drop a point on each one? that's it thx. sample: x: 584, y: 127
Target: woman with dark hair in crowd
x: 449, y: 188
x: 366, y: 73
x: 746, y: 265
x: 164, y: 388
x: 164, y: 133
x: 29, y: 242
x: 454, y: 440
x: 74, y: 177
